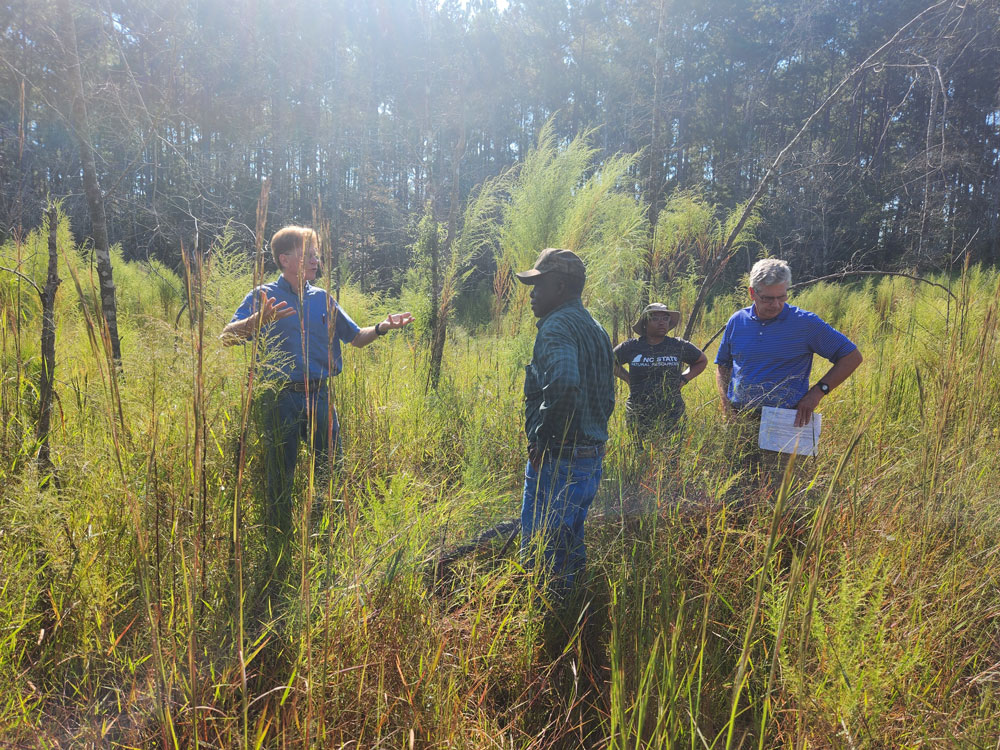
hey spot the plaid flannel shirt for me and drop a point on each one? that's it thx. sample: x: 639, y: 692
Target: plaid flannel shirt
x: 569, y: 386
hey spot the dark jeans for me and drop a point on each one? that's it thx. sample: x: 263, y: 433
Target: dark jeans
x: 763, y: 471
x: 285, y: 418
x: 554, y: 508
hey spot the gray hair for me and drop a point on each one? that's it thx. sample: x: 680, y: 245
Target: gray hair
x: 769, y: 272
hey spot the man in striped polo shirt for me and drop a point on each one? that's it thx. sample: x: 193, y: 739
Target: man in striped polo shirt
x: 766, y: 353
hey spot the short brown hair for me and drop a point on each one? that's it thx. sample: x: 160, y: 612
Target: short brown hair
x: 291, y: 238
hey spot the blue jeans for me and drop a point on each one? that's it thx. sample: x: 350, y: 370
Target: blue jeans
x: 556, y: 500
x: 284, y: 420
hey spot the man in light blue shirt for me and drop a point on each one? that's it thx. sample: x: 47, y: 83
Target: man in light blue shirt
x: 302, y: 328
x: 765, y: 357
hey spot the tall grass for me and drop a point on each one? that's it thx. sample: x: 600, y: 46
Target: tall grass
x: 877, y: 626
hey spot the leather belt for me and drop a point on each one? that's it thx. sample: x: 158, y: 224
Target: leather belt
x: 574, y: 450
x: 299, y: 386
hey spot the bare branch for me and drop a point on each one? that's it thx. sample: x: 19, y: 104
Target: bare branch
x: 844, y: 274
x: 23, y: 278
x: 726, y: 253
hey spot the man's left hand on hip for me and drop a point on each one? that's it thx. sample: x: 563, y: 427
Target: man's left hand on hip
x: 806, y: 406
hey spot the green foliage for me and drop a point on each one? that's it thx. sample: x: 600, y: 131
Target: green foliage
x: 542, y: 197
x: 608, y: 229
x: 688, y: 243
x: 861, y: 667
x: 686, y: 230
x: 364, y: 309
x: 474, y: 309
x: 830, y: 297
x: 561, y: 198
x: 415, y: 295
x: 131, y: 567
x: 146, y: 290
x: 29, y: 255
x: 228, y: 274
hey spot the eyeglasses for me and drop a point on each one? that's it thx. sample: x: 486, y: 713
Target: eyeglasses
x: 768, y: 299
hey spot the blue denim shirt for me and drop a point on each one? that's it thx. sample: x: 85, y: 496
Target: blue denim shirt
x: 772, y: 359
x: 303, y: 343
x: 569, y: 387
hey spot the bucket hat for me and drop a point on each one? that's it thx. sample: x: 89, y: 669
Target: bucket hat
x: 672, y: 321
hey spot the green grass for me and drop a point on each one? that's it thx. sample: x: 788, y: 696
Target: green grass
x: 122, y: 621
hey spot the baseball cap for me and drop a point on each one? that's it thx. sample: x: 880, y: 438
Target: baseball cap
x: 554, y: 259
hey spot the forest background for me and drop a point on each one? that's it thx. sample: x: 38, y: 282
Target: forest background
x: 375, y: 110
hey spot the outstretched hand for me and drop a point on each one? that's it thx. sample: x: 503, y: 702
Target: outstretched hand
x: 396, y: 320
x: 270, y: 312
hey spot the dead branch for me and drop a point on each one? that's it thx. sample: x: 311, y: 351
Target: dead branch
x: 844, y: 274
x: 726, y: 253
x: 23, y: 278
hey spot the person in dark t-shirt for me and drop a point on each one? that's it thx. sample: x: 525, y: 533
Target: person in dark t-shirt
x: 656, y: 371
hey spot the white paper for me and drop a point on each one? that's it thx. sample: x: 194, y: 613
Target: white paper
x: 779, y: 433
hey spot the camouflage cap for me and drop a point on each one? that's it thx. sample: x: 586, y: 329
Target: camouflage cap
x: 674, y: 317
x: 554, y: 259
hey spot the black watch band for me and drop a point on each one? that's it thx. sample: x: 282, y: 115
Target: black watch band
x: 823, y: 387
x: 379, y: 331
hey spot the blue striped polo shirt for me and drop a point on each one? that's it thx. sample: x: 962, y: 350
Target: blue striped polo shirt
x: 771, y: 359
x: 293, y: 357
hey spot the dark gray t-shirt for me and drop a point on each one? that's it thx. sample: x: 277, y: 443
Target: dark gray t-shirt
x: 655, y: 376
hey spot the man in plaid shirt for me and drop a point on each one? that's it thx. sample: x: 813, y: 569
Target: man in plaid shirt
x: 569, y: 396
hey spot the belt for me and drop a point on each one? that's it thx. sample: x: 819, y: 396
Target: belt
x: 575, y: 450
x: 299, y: 386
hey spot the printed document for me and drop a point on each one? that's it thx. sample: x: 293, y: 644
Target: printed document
x: 779, y: 433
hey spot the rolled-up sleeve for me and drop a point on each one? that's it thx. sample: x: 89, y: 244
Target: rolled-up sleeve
x: 346, y: 329
x: 247, y: 308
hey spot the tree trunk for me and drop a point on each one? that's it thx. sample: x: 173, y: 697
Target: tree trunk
x: 47, y: 375
x: 434, y: 374
x: 929, y: 166
x: 91, y: 188
x: 440, y: 298
x: 654, y: 155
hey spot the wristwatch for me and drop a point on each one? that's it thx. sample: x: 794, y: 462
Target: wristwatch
x: 823, y: 387
x: 380, y: 332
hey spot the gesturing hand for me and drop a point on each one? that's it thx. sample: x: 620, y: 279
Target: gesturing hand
x: 269, y: 311
x: 397, y: 320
